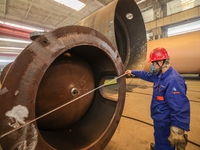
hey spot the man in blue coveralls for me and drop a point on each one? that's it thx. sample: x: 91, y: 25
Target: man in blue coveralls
x: 170, y: 107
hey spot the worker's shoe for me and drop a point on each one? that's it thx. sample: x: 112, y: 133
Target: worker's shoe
x: 152, y: 145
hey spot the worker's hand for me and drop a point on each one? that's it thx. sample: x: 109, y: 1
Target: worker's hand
x: 128, y: 71
x: 177, y: 138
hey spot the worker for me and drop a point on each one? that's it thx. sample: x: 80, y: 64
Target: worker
x: 170, y: 107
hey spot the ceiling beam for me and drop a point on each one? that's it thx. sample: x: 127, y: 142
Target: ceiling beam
x: 61, y: 22
x: 101, y: 3
x: 5, y: 7
x: 38, y: 6
x: 13, y: 19
x: 28, y: 10
x: 50, y: 13
x: 43, y: 8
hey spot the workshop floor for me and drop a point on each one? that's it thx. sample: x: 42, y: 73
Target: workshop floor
x: 135, y: 130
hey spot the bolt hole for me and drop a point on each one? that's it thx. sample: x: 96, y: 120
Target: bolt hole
x: 74, y: 91
x: 45, y: 42
x: 129, y: 16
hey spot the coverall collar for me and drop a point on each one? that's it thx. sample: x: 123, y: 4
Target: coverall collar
x: 166, y: 73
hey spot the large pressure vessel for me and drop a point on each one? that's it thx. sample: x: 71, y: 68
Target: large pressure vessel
x: 50, y: 98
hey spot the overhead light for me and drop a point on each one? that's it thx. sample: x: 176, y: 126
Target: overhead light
x: 20, y: 26
x: 139, y: 2
x: 6, y: 61
x: 13, y: 48
x: 13, y: 40
x: 74, y: 4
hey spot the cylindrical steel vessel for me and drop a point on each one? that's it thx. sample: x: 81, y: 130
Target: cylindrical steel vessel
x: 122, y: 23
x: 58, y: 68
x: 184, y: 51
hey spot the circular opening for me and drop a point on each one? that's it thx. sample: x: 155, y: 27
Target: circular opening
x: 111, y: 88
x: 71, y: 75
x: 129, y: 16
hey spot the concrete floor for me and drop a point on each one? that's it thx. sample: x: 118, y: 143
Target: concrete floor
x: 135, y: 130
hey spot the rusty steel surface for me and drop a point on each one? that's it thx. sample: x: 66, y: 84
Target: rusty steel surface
x: 122, y: 23
x: 54, y: 69
x: 67, y: 78
x: 183, y: 50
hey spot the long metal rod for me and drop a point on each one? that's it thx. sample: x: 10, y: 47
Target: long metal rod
x: 61, y: 106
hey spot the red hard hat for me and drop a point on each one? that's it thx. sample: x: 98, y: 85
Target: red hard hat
x: 158, y: 53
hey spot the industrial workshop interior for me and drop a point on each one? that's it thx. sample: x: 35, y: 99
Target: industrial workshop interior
x: 99, y: 74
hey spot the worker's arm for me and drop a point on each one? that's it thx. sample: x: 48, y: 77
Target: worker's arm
x: 143, y: 75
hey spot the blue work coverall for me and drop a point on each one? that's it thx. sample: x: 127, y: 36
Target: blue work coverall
x: 169, y: 106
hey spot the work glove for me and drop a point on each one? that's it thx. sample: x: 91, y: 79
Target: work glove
x: 178, y: 138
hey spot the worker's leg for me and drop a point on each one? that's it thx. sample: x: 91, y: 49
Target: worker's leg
x: 161, y: 134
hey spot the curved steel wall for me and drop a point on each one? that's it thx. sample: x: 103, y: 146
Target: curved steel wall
x: 122, y: 23
x: 48, y: 100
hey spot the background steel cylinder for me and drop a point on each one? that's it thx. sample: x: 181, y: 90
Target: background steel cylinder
x: 122, y: 23
x: 54, y: 69
x: 183, y: 50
